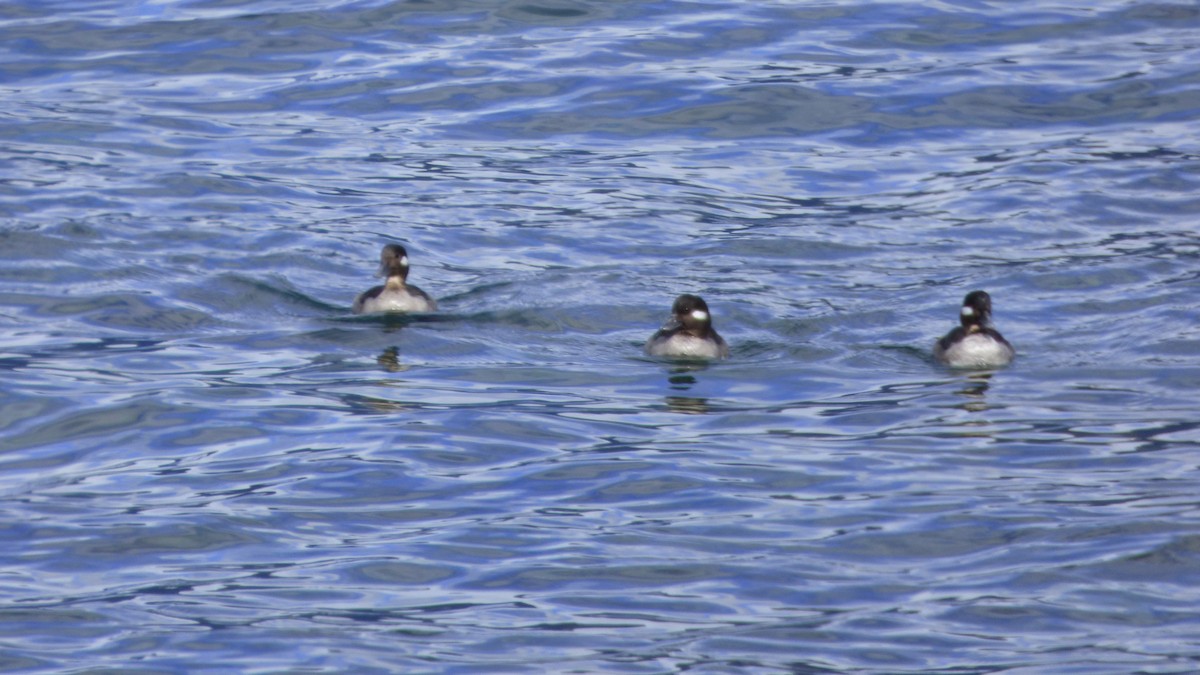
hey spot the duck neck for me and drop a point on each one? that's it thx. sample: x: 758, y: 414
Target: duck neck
x: 974, y: 324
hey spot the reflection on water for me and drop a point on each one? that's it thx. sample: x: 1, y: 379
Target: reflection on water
x: 681, y: 377
x: 974, y: 389
x: 389, y: 360
x: 687, y: 405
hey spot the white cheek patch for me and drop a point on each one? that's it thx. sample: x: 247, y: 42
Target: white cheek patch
x: 967, y: 311
x: 404, y: 261
x: 700, y: 315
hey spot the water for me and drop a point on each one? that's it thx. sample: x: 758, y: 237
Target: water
x: 208, y: 464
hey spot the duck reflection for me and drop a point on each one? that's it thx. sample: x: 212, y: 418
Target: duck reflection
x: 390, y: 324
x: 681, y: 378
x: 687, y: 405
x: 974, y: 389
x: 389, y: 360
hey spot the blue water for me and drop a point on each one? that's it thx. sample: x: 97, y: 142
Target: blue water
x: 208, y: 464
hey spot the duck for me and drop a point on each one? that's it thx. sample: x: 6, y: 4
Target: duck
x: 974, y: 343
x: 689, y: 333
x: 395, y: 295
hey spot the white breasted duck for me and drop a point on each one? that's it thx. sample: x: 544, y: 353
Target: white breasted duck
x: 688, y: 333
x: 395, y: 295
x: 974, y: 344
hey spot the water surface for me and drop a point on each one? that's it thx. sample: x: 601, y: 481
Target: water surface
x: 209, y: 464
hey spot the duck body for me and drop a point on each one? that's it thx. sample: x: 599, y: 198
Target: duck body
x: 392, y: 297
x: 984, y: 349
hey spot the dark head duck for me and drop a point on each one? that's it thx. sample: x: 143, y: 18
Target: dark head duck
x: 688, y: 333
x: 974, y: 343
x: 395, y: 295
